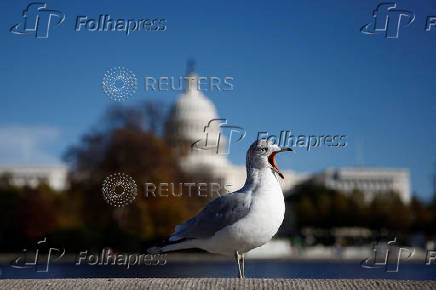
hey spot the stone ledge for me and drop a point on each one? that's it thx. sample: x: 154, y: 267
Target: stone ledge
x: 213, y: 283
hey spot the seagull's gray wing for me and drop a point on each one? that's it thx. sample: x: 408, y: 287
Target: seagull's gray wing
x: 222, y: 211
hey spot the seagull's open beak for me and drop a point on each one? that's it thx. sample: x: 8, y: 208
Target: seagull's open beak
x: 272, y: 160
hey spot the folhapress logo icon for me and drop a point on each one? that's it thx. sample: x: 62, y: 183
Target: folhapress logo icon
x: 388, y: 20
x: 218, y: 135
x: 38, y: 20
x: 119, y: 83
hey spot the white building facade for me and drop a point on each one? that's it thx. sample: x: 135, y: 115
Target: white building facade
x: 370, y: 181
x: 54, y: 177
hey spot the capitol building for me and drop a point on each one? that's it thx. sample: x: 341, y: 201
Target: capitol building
x: 185, y: 125
x: 193, y: 111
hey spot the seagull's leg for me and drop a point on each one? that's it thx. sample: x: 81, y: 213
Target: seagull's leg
x: 242, y: 265
x: 238, y: 263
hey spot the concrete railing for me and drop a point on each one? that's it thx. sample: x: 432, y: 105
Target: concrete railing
x: 214, y: 283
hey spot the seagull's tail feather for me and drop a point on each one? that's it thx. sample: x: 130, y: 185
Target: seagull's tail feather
x: 170, y: 247
x: 181, y: 245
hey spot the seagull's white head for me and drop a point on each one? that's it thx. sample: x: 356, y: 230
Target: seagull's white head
x: 262, y: 155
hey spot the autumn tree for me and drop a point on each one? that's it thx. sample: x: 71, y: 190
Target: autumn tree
x: 125, y: 143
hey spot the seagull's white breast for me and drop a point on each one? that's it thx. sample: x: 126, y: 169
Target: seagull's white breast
x: 258, y: 226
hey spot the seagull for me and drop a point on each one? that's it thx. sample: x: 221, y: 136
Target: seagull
x: 238, y: 222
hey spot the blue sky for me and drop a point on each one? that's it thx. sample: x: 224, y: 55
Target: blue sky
x: 297, y: 65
